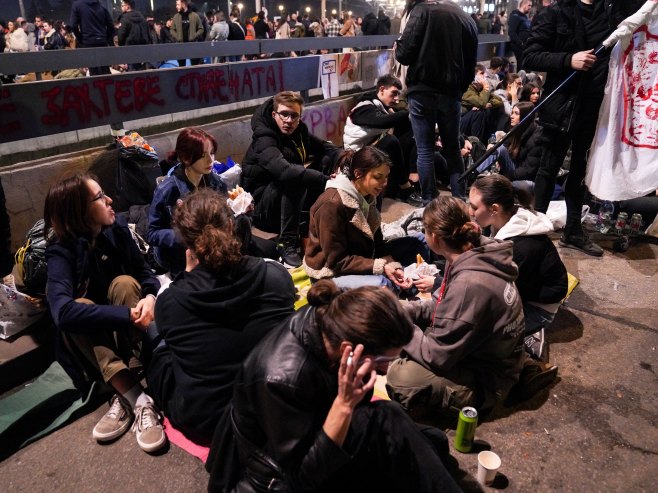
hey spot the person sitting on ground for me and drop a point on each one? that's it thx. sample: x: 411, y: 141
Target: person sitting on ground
x: 211, y: 316
x: 479, y: 106
x: 345, y: 239
x: 302, y: 419
x: 542, y: 281
x: 508, y: 93
x: 471, y: 353
x: 101, y: 296
x: 195, y: 151
x: 494, y: 73
x: 374, y: 121
x: 531, y: 93
x: 283, y: 170
x: 519, y: 158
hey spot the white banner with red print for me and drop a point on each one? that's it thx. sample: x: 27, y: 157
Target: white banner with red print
x: 623, y: 161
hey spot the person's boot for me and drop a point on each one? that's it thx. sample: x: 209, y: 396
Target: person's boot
x: 580, y: 241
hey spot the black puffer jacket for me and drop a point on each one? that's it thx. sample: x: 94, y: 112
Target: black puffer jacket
x: 275, y: 157
x: 527, y: 161
x: 91, y: 23
x: 134, y: 29
x: 439, y: 44
x: 281, y: 399
x: 560, y: 31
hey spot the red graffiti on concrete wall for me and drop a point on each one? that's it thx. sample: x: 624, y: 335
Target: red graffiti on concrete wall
x: 327, y: 119
x: 225, y: 84
x: 82, y: 103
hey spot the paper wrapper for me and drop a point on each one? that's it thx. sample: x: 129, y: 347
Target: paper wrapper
x: 241, y: 203
x: 416, y: 271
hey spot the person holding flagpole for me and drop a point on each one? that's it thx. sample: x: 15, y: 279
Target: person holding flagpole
x: 563, y: 40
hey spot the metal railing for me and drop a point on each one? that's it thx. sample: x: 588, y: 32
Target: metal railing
x: 12, y: 63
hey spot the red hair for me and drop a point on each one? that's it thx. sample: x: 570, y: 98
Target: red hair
x: 191, y: 144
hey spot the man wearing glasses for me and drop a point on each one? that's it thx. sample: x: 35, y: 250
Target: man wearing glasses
x: 285, y: 168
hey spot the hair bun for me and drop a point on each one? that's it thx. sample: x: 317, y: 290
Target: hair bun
x: 322, y: 293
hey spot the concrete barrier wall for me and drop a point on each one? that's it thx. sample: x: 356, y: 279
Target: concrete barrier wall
x: 26, y: 184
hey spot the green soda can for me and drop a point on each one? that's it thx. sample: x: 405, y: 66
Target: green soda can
x: 465, y: 433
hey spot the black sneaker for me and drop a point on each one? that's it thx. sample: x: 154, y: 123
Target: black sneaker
x: 290, y: 255
x: 410, y: 196
x: 535, y: 345
x: 581, y: 242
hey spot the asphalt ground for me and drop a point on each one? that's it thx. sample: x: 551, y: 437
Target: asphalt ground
x: 594, y: 430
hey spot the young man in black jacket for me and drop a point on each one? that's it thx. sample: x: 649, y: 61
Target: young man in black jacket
x: 439, y: 44
x: 93, y: 28
x: 562, y: 40
x: 134, y: 30
x: 519, y: 30
x: 283, y: 165
x: 373, y: 121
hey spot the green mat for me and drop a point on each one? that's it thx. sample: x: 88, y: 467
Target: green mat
x: 43, y: 406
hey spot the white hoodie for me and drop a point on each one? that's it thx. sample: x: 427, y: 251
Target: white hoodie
x: 525, y: 223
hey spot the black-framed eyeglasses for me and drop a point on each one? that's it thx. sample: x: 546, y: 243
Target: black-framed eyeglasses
x: 288, y: 115
x: 99, y: 196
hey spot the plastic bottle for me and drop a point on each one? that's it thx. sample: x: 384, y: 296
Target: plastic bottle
x: 604, y: 219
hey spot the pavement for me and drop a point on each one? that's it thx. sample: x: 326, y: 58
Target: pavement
x: 594, y: 430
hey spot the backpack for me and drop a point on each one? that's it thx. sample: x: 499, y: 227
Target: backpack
x: 298, y: 31
x: 31, y: 260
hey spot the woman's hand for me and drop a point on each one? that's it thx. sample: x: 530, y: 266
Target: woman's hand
x: 396, y: 275
x: 351, y: 391
x: 142, y: 315
x: 425, y: 284
x: 351, y: 373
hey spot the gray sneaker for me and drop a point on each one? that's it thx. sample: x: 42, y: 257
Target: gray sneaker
x: 115, y: 422
x: 148, y: 428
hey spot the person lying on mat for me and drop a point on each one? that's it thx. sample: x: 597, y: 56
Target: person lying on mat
x: 101, y: 296
x: 211, y: 316
x: 301, y: 418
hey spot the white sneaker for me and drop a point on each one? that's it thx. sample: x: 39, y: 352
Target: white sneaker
x: 115, y: 422
x: 148, y: 428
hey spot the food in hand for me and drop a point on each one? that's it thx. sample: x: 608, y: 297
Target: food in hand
x: 233, y: 194
x: 419, y: 259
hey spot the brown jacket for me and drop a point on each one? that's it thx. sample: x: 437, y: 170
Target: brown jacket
x: 341, y: 240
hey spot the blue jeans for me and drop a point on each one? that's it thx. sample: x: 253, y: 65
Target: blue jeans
x: 426, y: 110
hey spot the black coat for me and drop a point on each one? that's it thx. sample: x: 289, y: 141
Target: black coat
x: 235, y: 31
x: 134, y: 29
x: 527, y: 161
x: 91, y: 23
x: 370, y: 25
x: 275, y: 157
x: 210, y: 323
x: 557, y: 34
x: 439, y: 44
x: 542, y: 275
x: 518, y: 29
x: 282, y: 396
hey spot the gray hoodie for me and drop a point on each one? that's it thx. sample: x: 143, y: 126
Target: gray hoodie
x: 478, y: 325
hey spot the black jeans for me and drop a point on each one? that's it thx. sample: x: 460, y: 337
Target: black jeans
x: 555, y: 147
x: 400, y: 170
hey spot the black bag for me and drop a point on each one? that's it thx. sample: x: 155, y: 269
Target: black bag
x: 31, y: 260
x: 137, y: 170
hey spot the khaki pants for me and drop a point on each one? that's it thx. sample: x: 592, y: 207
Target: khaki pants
x: 110, y: 351
x: 423, y: 393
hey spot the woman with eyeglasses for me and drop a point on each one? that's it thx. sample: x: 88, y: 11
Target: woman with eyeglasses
x: 467, y: 347
x: 345, y: 239
x: 301, y: 418
x: 101, y: 296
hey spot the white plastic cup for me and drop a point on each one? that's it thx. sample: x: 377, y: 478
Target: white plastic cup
x: 488, y: 465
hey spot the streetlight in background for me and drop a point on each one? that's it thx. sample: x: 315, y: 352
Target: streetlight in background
x: 308, y: 10
x: 240, y: 7
x: 333, y: 11
x: 281, y: 10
